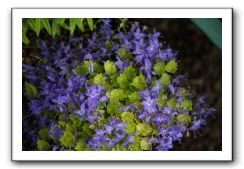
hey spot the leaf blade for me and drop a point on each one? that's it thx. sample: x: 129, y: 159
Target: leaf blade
x: 45, y: 22
x: 72, y: 25
x: 37, y: 26
x: 90, y: 23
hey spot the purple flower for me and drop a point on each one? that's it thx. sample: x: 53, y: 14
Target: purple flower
x: 35, y: 106
x: 44, y: 49
x: 172, y: 88
x: 82, y: 110
x: 178, y: 79
x: 157, y: 87
x: 147, y: 68
x: 169, y: 54
x: 53, y: 131
x: 119, y: 126
x: 161, y: 119
x: 165, y: 144
x: 167, y: 110
x: 94, y: 91
x: 61, y: 101
x: 149, y: 105
x: 144, y: 93
x: 176, y: 132
x: 75, y: 83
x: 109, y: 129
x: 153, y: 47
x: 197, y: 124
x: 120, y: 64
x: 138, y: 34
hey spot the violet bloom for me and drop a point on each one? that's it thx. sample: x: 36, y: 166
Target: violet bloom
x: 138, y: 34
x: 94, y: 91
x: 149, y: 105
x: 176, y: 132
x: 157, y: 87
x: 61, y: 101
x: 53, y: 131
x: 197, y: 125
x: 109, y: 129
x: 81, y: 112
x: 147, y: 68
x: 44, y: 49
x: 165, y: 144
x: 120, y: 64
x: 160, y: 120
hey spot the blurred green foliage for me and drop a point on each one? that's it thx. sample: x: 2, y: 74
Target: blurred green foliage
x: 54, y: 25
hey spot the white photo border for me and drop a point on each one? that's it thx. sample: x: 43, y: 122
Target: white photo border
x: 224, y: 155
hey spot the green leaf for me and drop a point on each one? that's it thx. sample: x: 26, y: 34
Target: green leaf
x: 184, y: 118
x: 65, y: 26
x: 45, y: 22
x: 86, y: 130
x: 161, y: 102
x: 81, y: 69
x: 130, y: 128
x: 59, y: 21
x: 109, y: 46
x: 37, y: 26
x: 183, y: 93
x: 80, y: 145
x: 127, y: 117
x: 42, y: 145
x: 31, y: 23
x: 123, y: 81
x: 76, y: 121
x: 72, y: 25
x: 187, y: 105
x: 145, y: 144
x: 90, y: 23
x: 110, y: 67
x: 136, y: 144
x: 30, y: 90
x: 98, y: 68
x: 134, y: 147
x: 139, y: 82
x: 99, y: 79
x: 25, y: 39
x: 144, y: 129
x: 43, y: 133
x: 159, y: 68
x: 129, y: 72
x: 55, y: 29
x: 25, y: 26
x: 67, y: 139
x: 165, y: 79
x: 112, y: 107
x: 121, y: 52
x: 79, y: 23
x: 116, y: 94
x: 133, y: 97
x: 120, y: 148
x: 171, y: 66
x: 172, y: 103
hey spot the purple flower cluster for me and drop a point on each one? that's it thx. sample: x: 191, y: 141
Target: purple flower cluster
x: 78, y: 93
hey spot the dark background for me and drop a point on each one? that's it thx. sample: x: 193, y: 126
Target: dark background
x: 201, y: 63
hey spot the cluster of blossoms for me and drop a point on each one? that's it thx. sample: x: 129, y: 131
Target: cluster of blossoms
x: 113, y: 90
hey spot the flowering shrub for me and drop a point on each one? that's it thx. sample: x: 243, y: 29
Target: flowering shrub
x: 116, y: 90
